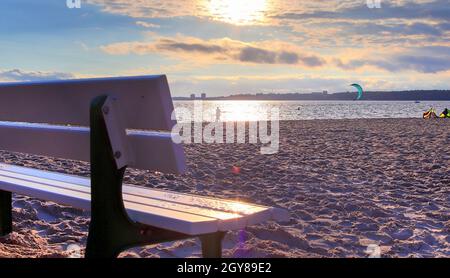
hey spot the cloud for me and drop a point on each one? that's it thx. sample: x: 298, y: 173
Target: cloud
x: 262, y: 56
x: 257, y: 55
x: 289, y: 58
x: 216, y: 85
x: 148, y: 8
x: 277, y: 10
x: 423, y: 64
x: 225, y: 50
x: 424, y: 60
x: 313, y: 61
x: 147, y: 24
x: 438, y: 9
x: 19, y: 75
x: 202, y: 47
x: 388, y: 30
x: 282, y: 9
x: 314, y: 23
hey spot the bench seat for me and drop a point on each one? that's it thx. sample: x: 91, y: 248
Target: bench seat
x: 184, y: 213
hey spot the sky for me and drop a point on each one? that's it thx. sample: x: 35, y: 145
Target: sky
x: 223, y: 47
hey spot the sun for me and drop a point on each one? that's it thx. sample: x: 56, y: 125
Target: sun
x: 238, y: 12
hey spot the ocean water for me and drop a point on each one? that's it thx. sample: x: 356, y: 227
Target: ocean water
x: 303, y: 110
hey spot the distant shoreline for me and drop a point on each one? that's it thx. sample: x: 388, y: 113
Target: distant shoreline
x: 414, y: 95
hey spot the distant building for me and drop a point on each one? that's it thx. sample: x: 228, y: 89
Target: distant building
x: 192, y: 96
x: 203, y: 96
x: 325, y: 92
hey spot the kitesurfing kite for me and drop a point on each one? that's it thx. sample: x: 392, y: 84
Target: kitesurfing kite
x: 360, y: 90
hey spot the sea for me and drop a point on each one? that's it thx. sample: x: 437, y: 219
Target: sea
x: 233, y: 110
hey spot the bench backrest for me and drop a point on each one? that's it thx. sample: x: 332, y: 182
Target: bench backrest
x: 39, y: 118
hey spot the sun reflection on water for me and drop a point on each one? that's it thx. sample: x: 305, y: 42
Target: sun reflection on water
x: 240, y: 110
x: 236, y: 111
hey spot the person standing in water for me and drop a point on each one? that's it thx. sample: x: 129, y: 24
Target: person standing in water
x: 218, y: 114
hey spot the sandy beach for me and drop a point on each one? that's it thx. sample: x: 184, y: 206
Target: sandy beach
x: 347, y: 183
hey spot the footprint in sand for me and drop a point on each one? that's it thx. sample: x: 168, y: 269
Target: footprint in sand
x: 402, y: 234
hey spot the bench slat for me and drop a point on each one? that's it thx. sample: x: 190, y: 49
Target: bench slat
x: 145, y: 200
x: 141, y: 203
x: 163, y: 218
x: 145, y: 101
x: 257, y: 213
x: 152, y: 150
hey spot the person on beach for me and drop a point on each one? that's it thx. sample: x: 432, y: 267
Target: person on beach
x: 445, y: 113
x: 218, y: 114
x: 430, y: 114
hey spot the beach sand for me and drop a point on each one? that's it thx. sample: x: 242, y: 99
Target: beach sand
x: 347, y: 183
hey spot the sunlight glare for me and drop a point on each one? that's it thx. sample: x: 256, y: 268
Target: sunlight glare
x: 241, y: 110
x: 238, y: 12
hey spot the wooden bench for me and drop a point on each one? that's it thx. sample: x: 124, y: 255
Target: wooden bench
x: 113, y: 123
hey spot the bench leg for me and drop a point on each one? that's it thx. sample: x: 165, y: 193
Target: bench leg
x: 212, y: 245
x: 111, y: 231
x: 5, y: 213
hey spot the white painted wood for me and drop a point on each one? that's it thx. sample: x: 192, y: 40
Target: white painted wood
x: 161, y: 206
x: 152, y: 150
x: 164, y: 218
x: 142, y: 199
x: 232, y: 206
x: 117, y: 133
x: 145, y: 101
